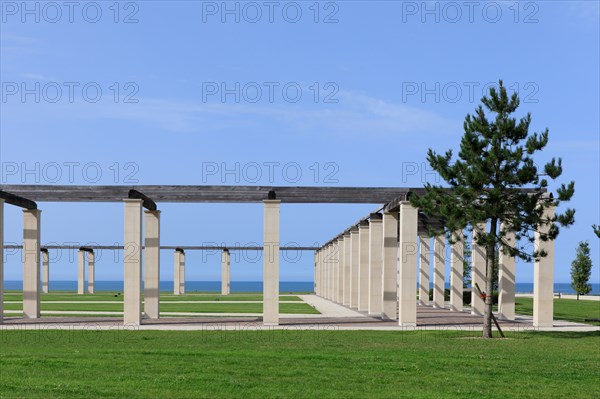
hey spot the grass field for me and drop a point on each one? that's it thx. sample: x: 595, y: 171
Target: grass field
x: 297, y: 364
x: 564, y: 309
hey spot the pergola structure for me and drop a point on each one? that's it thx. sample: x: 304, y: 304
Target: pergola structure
x: 371, y: 266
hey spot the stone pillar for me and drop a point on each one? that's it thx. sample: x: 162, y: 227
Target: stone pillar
x: 152, y: 264
x: 91, y: 272
x: 315, y: 272
x: 328, y: 271
x: 390, y: 260
x: 347, y: 268
x: 456, y: 271
x: 225, y: 272
x: 182, y: 272
x: 132, y: 294
x: 543, y: 278
x: 424, y: 267
x: 1, y: 261
x: 339, y: 265
x: 271, y: 262
x: 354, y: 268
x: 31, y: 263
x: 506, y: 283
x: 363, y: 267
x: 375, y: 304
x: 478, y: 272
x: 45, y: 270
x: 438, y: 272
x: 407, y: 265
x: 176, y: 271
x: 80, y: 272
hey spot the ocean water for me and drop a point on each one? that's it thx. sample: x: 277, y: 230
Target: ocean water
x: 250, y: 286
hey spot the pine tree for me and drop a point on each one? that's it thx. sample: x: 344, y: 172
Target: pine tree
x: 487, y: 181
x: 596, y: 230
x: 581, y: 270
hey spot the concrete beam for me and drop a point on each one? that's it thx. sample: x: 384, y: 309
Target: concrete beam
x: 132, y: 294
x: 271, y: 262
x: 390, y: 260
x: 31, y: 263
x: 407, y: 265
x: 152, y: 264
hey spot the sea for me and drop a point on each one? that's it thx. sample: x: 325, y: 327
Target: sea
x: 250, y: 286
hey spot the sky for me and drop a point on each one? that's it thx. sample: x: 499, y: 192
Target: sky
x: 330, y: 93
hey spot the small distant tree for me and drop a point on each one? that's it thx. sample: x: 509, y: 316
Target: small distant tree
x: 581, y: 270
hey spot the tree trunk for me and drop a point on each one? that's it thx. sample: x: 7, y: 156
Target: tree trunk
x: 578, y: 296
x: 489, y: 281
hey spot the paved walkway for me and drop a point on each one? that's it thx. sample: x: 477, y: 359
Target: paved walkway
x: 333, y: 317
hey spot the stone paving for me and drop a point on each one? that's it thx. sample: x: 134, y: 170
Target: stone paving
x: 333, y: 317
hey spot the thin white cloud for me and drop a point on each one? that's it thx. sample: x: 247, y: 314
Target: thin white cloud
x: 354, y: 114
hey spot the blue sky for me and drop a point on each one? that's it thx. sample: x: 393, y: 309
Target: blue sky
x: 348, y: 93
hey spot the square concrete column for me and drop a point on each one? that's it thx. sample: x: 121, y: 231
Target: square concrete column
x: 478, y: 255
x: 176, y: 272
x: 456, y: 271
x: 152, y: 264
x: 354, y: 268
x: 424, y: 267
x: 347, y: 269
x: 390, y: 264
x: 363, y: 267
x: 182, y: 272
x: 81, y: 272
x: 328, y: 270
x: 271, y: 262
x: 226, y: 272
x: 45, y: 270
x: 1, y: 261
x: 91, y: 272
x: 315, y: 273
x: 407, y: 265
x: 506, y: 283
x: 375, y: 305
x: 31, y: 263
x: 337, y: 260
x: 438, y: 271
x: 132, y: 293
x: 543, y: 278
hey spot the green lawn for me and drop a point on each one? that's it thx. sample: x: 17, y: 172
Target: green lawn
x: 290, y: 308
x: 114, y: 296
x: 564, y: 309
x: 296, y: 364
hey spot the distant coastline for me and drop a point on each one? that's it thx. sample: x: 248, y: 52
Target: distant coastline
x: 250, y: 286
